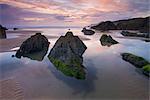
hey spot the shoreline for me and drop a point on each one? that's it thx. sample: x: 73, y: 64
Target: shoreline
x: 21, y: 35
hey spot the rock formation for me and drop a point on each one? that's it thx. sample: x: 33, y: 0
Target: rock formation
x: 140, y: 24
x: 66, y: 55
x: 3, y: 32
x: 132, y: 34
x: 35, y: 44
x: 105, y: 26
x: 87, y: 31
x: 107, y: 40
x: 137, y: 61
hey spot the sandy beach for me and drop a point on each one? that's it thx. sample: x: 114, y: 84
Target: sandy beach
x: 21, y: 35
x: 108, y: 76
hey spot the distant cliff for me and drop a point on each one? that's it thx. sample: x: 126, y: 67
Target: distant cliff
x: 140, y: 24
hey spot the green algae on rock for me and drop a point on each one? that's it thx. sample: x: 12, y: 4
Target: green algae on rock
x: 146, y: 70
x: 135, y: 60
x: 138, y: 62
x: 66, y: 55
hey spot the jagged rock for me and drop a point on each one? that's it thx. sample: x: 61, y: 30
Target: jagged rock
x: 135, y: 60
x: 105, y: 26
x: 107, y: 40
x: 66, y: 55
x: 87, y: 31
x: 132, y: 34
x: 35, y: 44
x: 3, y: 32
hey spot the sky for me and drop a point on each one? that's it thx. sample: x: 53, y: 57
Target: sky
x: 69, y: 12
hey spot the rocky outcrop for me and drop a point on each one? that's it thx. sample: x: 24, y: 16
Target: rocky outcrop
x: 132, y: 34
x: 36, y: 43
x: 3, y: 32
x: 137, y: 61
x: 134, y: 24
x: 105, y: 26
x: 66, y: 55
x: 87, y: 31
x: 140, y: 24
x: 107, y: 40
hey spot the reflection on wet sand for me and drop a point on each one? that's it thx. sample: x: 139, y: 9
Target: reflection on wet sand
x: 79, y: 87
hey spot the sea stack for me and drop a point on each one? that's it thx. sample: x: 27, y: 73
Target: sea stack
x: 3, y: 32
x: 66, y: 55
x: 36, y: 43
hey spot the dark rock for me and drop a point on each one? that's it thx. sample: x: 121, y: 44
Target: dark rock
x: 135, y: 60
x: 87, y: 31
x: 39, y: 56
x: 107, y: 40
x: 15, y: 28
x: 13, y: 56
x: 35, y: 44
x: 66, y: 55
x: 132, y: 34
x: 105, y: 26
x: 140, y: 24
x: 3, y: 32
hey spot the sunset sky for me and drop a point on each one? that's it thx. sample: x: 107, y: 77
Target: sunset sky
x: 69, y: 12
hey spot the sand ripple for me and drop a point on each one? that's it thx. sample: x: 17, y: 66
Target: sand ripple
x: 10, y: 90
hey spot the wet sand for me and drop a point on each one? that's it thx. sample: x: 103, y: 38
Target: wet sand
x: 7, y: 44
x: 11, y: 90
x: 108, y: 76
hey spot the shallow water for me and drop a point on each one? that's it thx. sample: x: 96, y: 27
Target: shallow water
x: 108, y: 76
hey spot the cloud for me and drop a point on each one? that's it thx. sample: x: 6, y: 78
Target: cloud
x: 70, y: 12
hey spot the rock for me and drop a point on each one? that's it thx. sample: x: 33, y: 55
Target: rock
x: 105, y: 26
x: 66, y: 55
x: 87, y: 31
x: 139, y: 24
x: 132, y: 34
x: 137, y: 61
x: 146, y: 70
x: 15, y: 29
x: 3, y: 32
x: 12, y: 55
x: 35, y: 44
x: 107, y: 40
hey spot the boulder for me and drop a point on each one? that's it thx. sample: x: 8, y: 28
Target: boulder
x: 135, y: 60
x: 107, y: 40
x: 87, y: 31
x: 138, y: 62
x: 3, y: 32
x: 36, y: 43
x: 66, y: 55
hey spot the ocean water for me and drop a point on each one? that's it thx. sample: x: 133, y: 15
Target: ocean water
x: 108, y: 76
